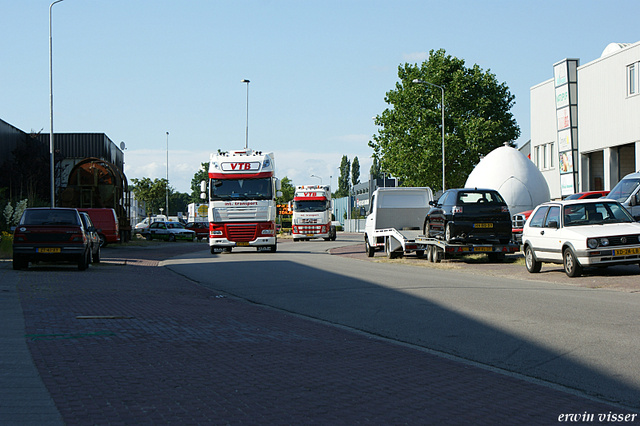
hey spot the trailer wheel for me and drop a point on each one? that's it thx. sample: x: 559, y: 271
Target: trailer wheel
x: 391, y: 254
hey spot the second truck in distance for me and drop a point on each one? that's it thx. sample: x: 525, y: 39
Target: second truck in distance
x: 311, y: 208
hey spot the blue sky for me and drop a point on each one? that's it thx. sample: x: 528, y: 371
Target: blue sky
x: 319, y: 71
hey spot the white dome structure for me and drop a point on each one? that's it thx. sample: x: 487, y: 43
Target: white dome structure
x: 514, y: 176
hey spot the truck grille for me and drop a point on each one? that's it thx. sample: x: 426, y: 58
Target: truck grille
x: 241, y: 232
x: 309, y: 229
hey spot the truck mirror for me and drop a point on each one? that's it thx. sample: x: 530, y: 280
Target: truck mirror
x: 203, y: 186
x: 278, y: 194
x: 278, y: 186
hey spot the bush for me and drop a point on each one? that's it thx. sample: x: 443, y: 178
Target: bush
x: 6, y: 242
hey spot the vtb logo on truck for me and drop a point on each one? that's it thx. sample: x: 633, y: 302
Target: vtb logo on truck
x: 240, y: 167
x: 306, y: 194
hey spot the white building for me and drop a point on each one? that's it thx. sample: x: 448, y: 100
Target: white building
x: 585, y: 121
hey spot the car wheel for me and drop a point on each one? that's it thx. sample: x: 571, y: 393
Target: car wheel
x: 447, y: 233
x: 148, y: 237
x: 571, y: 265
x: 103, y: 240
x: 96, y: 256
x: 425, y: 228
x: 371, y: 251
x: 83, y: 260
x: 19, y: 262
x: 533, y: 266
x: 172, y: 238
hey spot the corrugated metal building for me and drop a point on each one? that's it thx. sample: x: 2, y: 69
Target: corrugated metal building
x: 585, y: 122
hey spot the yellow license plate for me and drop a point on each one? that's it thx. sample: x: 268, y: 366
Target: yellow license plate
x: 310, y: 235
x: 626, y: 252
x: 49, y: 250
x: 482, y: 249
x: 483, y: 225
x: 242, y: 244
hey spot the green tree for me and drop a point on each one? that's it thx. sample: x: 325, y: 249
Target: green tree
x: 477, y: 120
x: 343, y: 179
x: 375, y: 171
x: 152, y: 192
x: 355, y: 171
x: 288, y: 189
x: 201, y: 175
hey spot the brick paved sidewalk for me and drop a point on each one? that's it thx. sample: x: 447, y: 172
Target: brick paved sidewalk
x: 135, y: 344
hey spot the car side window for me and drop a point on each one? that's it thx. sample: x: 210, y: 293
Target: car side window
x: 440, y: 201
x: 538, y: 217
x: 553, y: 216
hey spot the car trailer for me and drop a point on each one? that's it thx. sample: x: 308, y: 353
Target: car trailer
x: 437, y: 250
x: 396, y: 242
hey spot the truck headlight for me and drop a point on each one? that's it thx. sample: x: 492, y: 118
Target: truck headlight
x: 267, y: 232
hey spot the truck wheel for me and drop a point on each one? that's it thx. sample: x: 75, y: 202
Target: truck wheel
x: 571, y: 265
x: 420, y: 253
x: 371, y: 251
x: 496, y: 257
x: 273, y: 248
x: 430, y: 253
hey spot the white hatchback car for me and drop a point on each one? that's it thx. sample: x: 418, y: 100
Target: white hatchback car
x: 580, y: 233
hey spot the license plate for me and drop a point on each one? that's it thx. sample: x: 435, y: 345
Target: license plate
x: 49, y: 250
x: 626, y: 252
x: 242, y: 244
x: 483, y: 225
x: 310, y: 235
x: 482, y: 249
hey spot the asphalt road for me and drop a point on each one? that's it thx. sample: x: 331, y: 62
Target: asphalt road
x: 578, y: 337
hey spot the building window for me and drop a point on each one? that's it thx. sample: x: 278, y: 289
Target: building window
x: 543, y: 156
x: 632, y: 79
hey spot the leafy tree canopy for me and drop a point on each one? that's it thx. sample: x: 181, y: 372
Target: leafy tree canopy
x: 355, y: 171
x: 477, y: 120
x: 375, y: 171
x: 344, y: 178
x: 153, y: 193
x: 288, y: 190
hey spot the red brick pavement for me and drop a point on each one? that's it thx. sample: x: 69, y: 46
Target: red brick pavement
x: 163, y: 350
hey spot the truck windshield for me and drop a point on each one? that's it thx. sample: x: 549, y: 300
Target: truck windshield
x: 241, y: 189
x: 310, y: 206
x: 623, y: 189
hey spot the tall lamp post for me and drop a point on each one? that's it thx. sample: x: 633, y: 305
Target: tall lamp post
x: 442, y: 109
x: 51, y: 146
x: 319, y: 177
x: 166, y: 188
x: 246, y: 141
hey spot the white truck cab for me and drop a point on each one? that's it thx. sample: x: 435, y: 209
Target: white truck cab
x: 395, y: 218
x: 627, y: 193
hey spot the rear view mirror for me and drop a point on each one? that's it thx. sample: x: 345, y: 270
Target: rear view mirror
x: 553, y: 224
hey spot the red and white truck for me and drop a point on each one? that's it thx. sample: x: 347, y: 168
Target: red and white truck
x: 311, y: 208
x: 242, y: 200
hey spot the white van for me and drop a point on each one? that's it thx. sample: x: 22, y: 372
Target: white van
x: 627, y: 193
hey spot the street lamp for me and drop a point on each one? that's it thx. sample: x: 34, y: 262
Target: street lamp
x: 51, y: 146
x: 442, y: 109
x: 246, y: 141
x: 317, y: 177
x: 166, y: 187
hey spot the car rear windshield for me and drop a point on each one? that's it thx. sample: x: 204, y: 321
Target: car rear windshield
x: 595, y: 214
x: 50, y: 217
x: 472, y: 197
